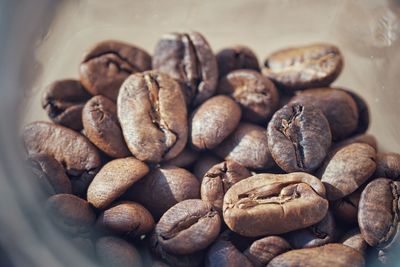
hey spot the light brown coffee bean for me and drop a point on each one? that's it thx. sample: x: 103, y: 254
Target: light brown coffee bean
x: 256, y: 94
x: 315, y: 65
x: 153, y: 116
x: 101, y: 125
x: 114, y: 179
x: 188, y: 58
x: 108, y: 64
x: 329, y: 255
x: 219, y: 179
x: 74, y: 151
x: 126, y: 219
x: 269, y: 204
x: 213, y: 121
x: 187, y: 227
x: 347, y: 170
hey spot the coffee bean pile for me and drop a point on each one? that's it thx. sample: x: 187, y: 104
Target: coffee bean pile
x: 186, y: 158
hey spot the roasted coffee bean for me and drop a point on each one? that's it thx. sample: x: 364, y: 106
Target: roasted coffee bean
x: 315, y: 65
x: 50, y: 174
x: 338, y: 107
x: 187, y: 227
x: 262, y: 251
x: 63, y: 101
x: 115, y: 252
x: 256, y: 94
x: 188, y: 58
x: 223, y: 253
x: 247, y: 145
x: 347, y: 170
x: 378, y: 214
x: 108, y: 64
x: 153, y: 116
x: 268, y: 204
x: 363, y: 112
x: 186, y: 158
x: 213, y: 121
x: 319, y: 234
x: 114, y: 179
x: 204, y: 162
x: 388, y: 165
x: 330, y: 255
x: 362, y: 138
x: 354, y: 239
x: 74, y: 151
x: 126, y: 219
x: 189, y: 260
x: 101, y: 125
x: 219, y: 179
x: 163, y: 187
x: 70, y: 213
x: 345, y: 209
x: 299, y: 137
x: 235, y: 58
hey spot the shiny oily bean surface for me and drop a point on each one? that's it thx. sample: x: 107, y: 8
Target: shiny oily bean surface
x: 187, y: 227
x: 70, y: 213
x: 330, y: 255
x: 127, y: 219
x: 213, y: 121
x: 74, y: 151
x: 268, y: 204
x: 107, y: 64
x: 302, y: 67
x: 263, y: 250
x: 378, y: 213
x: 188, y: 58
x: 256, y: 94
x: 235, y: 58
x: 354, y: 239
x: 152, y: 112
x: 115, y: 252
x: 63, y: 101
x: 102, y: 127
x: 219, y: 179
x: 388, y: 165
x: 163, y: 187
x: 345, y: 171
x: 319, y: 234
x: 114, y: 179
x: 338, y: 107
x: 224, y: 253
x: 50, y: 174
x: 299, y: 137
x: 247, y: 145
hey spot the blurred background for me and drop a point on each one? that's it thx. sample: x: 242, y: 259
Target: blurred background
x: 42, y: 41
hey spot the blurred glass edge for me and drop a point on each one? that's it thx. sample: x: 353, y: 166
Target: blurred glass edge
x: 25, y: 234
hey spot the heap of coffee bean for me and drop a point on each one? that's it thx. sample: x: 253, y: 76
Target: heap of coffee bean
x: 186, y: 158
